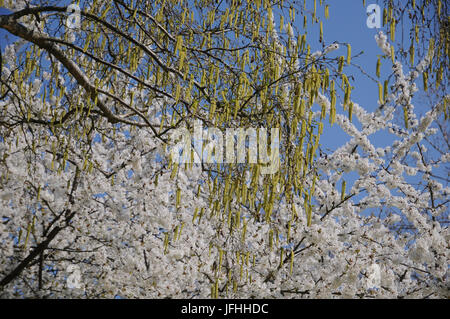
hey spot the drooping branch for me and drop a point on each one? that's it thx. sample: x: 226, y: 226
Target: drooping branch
x: 9, y: 23
x: 40, y: 248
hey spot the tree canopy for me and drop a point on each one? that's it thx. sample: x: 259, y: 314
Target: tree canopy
x: 94, y: 204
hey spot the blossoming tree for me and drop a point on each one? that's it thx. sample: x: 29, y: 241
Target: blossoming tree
x: 93, y: 205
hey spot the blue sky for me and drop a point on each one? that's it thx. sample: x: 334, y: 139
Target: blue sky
x: 347, y: 24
